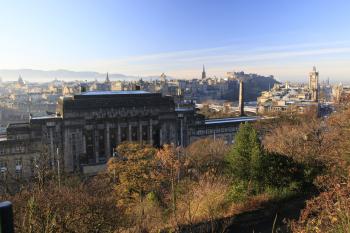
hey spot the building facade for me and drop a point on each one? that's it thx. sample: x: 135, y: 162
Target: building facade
x: 87, y: 127
x: 314, y: 84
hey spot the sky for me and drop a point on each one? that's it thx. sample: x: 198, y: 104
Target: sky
x: 147, y: 37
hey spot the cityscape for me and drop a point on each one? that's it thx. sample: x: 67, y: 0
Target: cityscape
x: 175, y: 134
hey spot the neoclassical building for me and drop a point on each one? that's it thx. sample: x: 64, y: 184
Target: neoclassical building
x: 93, y: 123
x: 88, y: 126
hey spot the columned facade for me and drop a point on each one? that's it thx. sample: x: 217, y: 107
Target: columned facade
x: 107, y: 119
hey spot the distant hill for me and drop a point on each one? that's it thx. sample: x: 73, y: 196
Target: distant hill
x: 67, y: 75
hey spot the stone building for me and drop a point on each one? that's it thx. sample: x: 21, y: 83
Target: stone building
x: 88, y: 126
x: 314, y: 84
x: 20, y: 150
x: 96, y: 122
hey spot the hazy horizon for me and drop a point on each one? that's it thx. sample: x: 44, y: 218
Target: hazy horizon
x: 42, y: 76
x: 146, y: 38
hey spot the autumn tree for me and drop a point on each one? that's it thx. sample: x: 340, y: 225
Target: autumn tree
x: 74, y: 207
x: 207, y: 156
x: 329, y: 211
x: 310, y: 143
x: 43, y: 167
x: 171, y: 161
x: 137, y: 176
x: 203, y: 200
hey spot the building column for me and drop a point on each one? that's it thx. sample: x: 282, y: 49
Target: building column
x: 52, y: 151
x: 85, y: 160
x: 96, y: 146
x: 107, y: 142
x: 140, y: 132
x: 118, y: 134
x: 84, y: 143
x: 181, y: 133
x: 150, y: 135
x: 68, y: 163
x: 161, y: 135
x: 129, y: 133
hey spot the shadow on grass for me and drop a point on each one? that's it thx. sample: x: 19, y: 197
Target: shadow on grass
x: 272, y: 216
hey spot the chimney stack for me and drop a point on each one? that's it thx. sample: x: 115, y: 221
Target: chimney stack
x: 241, y: 98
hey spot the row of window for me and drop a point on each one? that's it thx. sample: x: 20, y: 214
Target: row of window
x: 18, y: 164
x: 18, y: 169
x: 212, y: 131
x: 12, y: 150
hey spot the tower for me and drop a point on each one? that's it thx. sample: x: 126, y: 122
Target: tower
x: 204, y: 76
x: 107, y: 79
x: 241, y: 98
x: 20, y: 81
x: 313, y: 84
x: 163, y: 78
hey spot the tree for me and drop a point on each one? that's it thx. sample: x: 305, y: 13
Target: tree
x: 329, y: 211
x: 245, y: 158
x: 137, y: 176
x: 171, y: 163
x: 74, y: 207
x: 207, y: 156
x: 43, y: 167
x: 310, y: 143
x: 202, y: 200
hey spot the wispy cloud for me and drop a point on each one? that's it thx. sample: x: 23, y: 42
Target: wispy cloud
x: 285, y: 61
x: 219, y: 60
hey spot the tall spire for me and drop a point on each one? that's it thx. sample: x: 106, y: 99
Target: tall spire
x: 203, y: 73
x: 107, y: 78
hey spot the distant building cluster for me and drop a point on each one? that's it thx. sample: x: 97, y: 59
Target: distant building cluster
x: 21, y: 100
x: 340, y: 92
x: 295, y: 98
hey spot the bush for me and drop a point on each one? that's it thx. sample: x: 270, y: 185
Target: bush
x: 239, y: 192
x: 281, y: 171
x: 281, y: 193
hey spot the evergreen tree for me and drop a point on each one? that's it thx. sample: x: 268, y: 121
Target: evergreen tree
x: 245, y: 158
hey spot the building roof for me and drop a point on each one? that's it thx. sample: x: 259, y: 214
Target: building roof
x: 230, y: 120
x: 95, y: 93
x: 114, y: 99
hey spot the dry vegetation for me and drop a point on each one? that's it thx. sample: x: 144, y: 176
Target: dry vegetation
x: 146, y: 189
x: 330, y: 211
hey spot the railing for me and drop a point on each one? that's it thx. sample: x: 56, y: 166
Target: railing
x: 6, y: 217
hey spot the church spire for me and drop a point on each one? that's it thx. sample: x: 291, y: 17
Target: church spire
x: 203, y: 73
x: 107, y: 78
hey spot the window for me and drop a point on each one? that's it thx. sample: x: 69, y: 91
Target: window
x: 3, y: 169
x: 3, y: 165
x: 18, y: 165
x: 18, y: 175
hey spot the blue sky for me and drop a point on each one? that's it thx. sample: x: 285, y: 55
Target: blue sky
x: 147, y: 37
